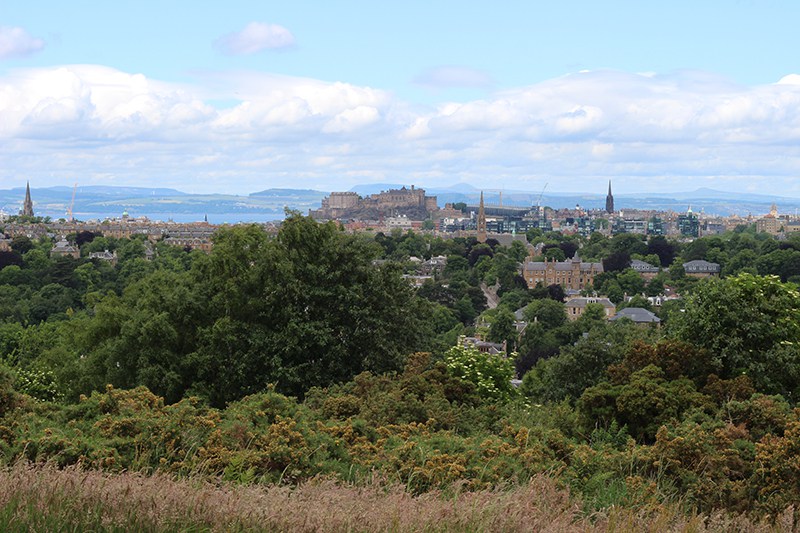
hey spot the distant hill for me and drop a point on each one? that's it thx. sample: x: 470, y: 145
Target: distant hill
x: 110, y: 190
x: 101, y: 201
x: 374, y: 188
x: 98, y: 202
x: 291, y: 193
x: 713, y: 194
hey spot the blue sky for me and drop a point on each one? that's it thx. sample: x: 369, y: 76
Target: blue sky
x: 239, y: 96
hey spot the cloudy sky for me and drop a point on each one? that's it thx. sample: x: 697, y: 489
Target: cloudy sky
x: 240, y: 96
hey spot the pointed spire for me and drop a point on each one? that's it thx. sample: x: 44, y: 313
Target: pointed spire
x: 609, y: 200
x: 27, y: 205
x: 481, y: 221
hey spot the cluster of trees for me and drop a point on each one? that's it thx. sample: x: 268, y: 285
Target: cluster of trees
x: 307, y: 308
x: 290, y: 356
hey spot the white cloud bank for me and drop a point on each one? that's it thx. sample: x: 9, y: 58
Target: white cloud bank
x: 255, y: 37
x: 647, y: 132
x: 16, y: 42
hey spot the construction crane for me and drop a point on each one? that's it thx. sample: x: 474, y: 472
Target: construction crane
x: 72, y: 203
x: 539, y: 210
x: 539, y: 200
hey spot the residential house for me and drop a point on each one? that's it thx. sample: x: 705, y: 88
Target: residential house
x: 701, y: 269
x: 63, y: 248
x: 638, y: 315
x: 646, y: 270
x: 576, y: 306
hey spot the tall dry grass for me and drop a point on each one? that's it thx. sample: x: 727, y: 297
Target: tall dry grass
x: 42, y: 498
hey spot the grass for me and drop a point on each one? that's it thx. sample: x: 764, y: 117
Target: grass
x: 43, y: 498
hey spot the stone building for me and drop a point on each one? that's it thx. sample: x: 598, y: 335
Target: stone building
x: 646, y: 270
x: 63, y: 248
x: 576, y: 306
x: 570, y: 274
x: 411, y: 202
x: 27, y: 205
x: 701, y: 269
x: 105, y: 255
x: 770, y: 223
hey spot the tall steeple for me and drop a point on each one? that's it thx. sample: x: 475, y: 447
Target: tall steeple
x: 481, y: 221
x: 609, y: 200
x: 27, y: 206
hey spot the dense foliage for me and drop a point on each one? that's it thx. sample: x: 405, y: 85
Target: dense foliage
x: 307, y: 354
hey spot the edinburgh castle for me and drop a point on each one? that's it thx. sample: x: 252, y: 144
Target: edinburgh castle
x: 410, y: 202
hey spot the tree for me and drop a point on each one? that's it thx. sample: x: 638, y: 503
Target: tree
x: 643, y: 403
x: 553, y: 252
x: 503, y: 328
x: 636, y: 301
x: 83, y: 237
x: 751, y: 324
x: 556, y: 292
x: 549, y: 313
x: 478, y: 251
x: 491, y: 374
x: 308, y: 308
x: 21, y: 244
x: 10, y: 257
x: 631, y: 282
x: 628, y: 243
x: 569, y: 248
x: 581, y: 364
x: 517, y: 251
x: 533, y: 235
x: 665, y: 250
x: 617, y: 261
x: 318, y: 311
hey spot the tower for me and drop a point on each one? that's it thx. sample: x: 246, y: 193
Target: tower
x: 27, y: 206
x: 609, y: 200
x: 481, y: 221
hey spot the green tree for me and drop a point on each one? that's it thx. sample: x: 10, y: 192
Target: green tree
x: 491, y: 374
x: 502, y: 328
x: 549, y: 313
x: 631, y: 282
x: 750, y: 323
x: 643, y: 403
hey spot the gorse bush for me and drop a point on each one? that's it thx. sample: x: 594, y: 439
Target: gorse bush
x: 301, y: 358
x: 425, y: 430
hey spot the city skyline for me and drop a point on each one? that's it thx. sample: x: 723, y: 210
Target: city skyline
x: 237, y: 98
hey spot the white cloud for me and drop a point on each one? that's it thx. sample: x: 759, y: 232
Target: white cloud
x: 450, y: 76
x: 351, y: 120
x: 688, y: 127
x: 255, y: 37
x: 790, y: 79
x: 16, y: 42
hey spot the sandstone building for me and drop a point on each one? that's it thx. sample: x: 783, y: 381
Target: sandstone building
x: 570, y: 274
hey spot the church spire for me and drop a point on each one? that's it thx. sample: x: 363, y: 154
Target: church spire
x: 27, y: 206
x: 481, y: 221
x: 609, y: 200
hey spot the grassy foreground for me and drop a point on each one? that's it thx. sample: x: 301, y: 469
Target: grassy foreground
x: 41, y: 498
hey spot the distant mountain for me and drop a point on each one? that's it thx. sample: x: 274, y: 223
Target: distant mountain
x: 110, y: 190
x: 705, y: 193
x: 99, y: 201
x: 374, y: 188
x: 291, y: 193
